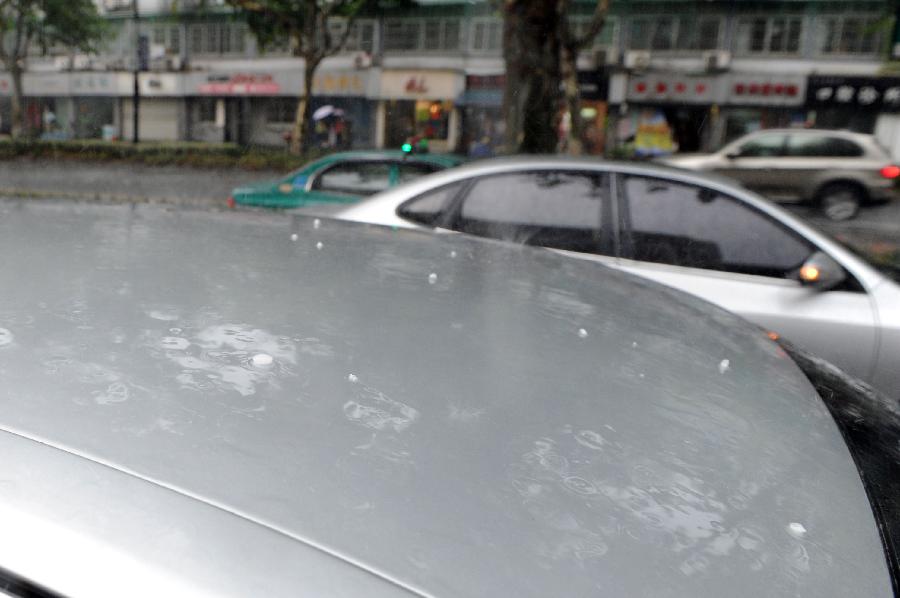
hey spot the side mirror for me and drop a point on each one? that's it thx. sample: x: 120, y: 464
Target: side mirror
x: 821, y: 272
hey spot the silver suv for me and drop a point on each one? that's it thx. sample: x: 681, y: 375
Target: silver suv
x: 838, y: 170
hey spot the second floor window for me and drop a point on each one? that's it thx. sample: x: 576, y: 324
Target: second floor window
x: 665, y: 33
x: 850, y: 35
x: 360, y: 39
x: 428, y: 34
x: 769, y: 35
x: 218, y: 38
x: 402, y: 35
x: 487, y: 35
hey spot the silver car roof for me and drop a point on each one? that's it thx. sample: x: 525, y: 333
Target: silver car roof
x: 271, y: 402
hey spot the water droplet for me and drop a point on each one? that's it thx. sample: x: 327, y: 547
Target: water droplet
x: 432, y: 278
x: 641, y: 375
x: 6, y: 337
x: 452, y: 254
x: 175, y: 330
x: 724, y: 365
x: 582, y: 333
x: 317, y: 223
x: 294, y: 236
x: 353, y: 378
x: 634, y: 345
x: 796, y: 529
x: 319, y: 245
x: 262, y: 360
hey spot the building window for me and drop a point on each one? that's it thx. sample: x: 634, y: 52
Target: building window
x: 361, y: 35
x: 206, y: 110
x: 402, y: 35
x: 605, y: 39
x: 487, y: 35
x: 850, y: 35
x: 196, y: 39
x: 769, y: 35
x: 281, y: 110
x: 675, y: 33
x: 441, y: 35
x: 174, y: 40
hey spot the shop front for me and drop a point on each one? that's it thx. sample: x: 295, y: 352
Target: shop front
x: 481, y: 108
x: 754, y: 101
x: 243, y: 107
x: 854, y: 103
x: 668, y: 112
x: 419, y: 106
x: 343, y: 115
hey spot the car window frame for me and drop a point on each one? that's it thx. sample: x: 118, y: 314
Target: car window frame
x: 623, y: 232
x: 606, y: 214
x: 315, y: 180
x: 446, y: 209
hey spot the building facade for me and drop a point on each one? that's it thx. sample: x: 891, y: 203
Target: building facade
x: 662, y: 75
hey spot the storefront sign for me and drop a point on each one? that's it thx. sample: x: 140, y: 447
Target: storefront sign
x: 764, y: 90
x: 90, y: 84
x: 161, y: 84
x: 879, y: 93
x: 240, y: 84
x: 341, y: 83
x: 421, y: 84
x: 593, y: 85
x: 681, y: 89
x: 46, y: 84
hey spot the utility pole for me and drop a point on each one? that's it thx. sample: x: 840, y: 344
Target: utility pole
x: 136, y: 92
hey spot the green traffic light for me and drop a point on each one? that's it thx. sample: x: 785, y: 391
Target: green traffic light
x: 406, y: 147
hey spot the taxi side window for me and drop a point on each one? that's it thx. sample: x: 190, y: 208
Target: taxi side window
x: 355, y: 178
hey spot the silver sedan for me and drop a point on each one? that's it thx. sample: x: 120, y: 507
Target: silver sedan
x: 694, y: 232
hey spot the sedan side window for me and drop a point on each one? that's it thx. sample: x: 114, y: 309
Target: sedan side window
x: 763, y: 146
x: 672, y: 223
x: 429, y: 208
x: 562, y: 210
x: 355, y: 178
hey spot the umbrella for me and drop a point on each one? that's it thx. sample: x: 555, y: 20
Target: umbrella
x: 326, y: 111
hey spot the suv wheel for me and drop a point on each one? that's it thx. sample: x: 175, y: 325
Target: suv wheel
x: 840, y: 201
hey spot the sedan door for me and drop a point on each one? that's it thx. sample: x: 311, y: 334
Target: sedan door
x: 756, y: 162
x: 727, y: 252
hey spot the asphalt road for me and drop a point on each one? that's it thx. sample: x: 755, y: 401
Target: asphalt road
x: 121, y: 182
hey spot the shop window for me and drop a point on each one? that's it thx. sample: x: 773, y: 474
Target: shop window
x: 206, y: 110
x: 670, y: 33
x: 432, y: 119
x: 487, y: 35
x: 402, y: 35
x: 769, y: 35
x: 281, y: 110
x: 850, y: 35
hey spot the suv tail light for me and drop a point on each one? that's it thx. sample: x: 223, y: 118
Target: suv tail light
x: 890, y: 172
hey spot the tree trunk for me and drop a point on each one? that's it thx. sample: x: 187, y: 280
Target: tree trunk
x: 575, y: 134
x: 531, y: 100
x: 300, y: 132
x: 17, y: 102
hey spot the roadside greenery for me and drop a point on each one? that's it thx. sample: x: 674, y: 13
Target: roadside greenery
x: 190, y: 154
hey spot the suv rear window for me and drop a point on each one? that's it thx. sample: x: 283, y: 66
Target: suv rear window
x: 822, y: 147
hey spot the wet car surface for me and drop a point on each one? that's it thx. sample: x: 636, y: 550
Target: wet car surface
x: 310, y: 407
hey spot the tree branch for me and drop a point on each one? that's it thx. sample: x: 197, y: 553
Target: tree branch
x: 598, y: 20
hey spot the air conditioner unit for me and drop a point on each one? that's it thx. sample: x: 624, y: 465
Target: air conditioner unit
x: 605, y: 57
x: 174, y: 63
x: 716, y: 60
x: 362, y: 60
x: 636, y: 60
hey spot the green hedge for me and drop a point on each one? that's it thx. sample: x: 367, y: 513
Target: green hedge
x: 193, y: 154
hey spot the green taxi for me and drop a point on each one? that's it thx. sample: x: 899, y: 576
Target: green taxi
x: 343, y: 177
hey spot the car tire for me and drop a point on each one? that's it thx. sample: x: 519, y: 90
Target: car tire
x: 840, y: 201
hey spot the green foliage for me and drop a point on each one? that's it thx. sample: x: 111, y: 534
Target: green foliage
x: 71, y: 23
